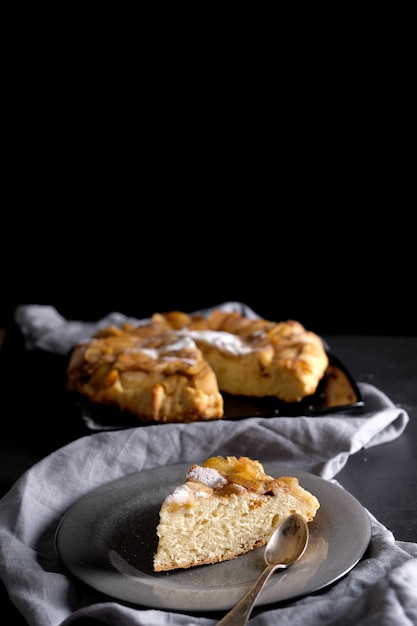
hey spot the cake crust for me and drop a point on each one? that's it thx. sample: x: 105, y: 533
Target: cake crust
x: 256, y: 357
x: 155, y: 376
x: 176, y: 367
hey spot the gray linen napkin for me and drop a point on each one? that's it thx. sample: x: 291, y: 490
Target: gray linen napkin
x: 46, y: 329
x: 379, y: 590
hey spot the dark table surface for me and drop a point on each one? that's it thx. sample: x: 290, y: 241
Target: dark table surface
x: 37, y: 419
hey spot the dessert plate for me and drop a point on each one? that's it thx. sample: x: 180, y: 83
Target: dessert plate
x: 337, y: 392
x: 107, y: 540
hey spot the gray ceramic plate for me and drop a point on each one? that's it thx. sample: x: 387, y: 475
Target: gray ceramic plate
x: 107, y: 540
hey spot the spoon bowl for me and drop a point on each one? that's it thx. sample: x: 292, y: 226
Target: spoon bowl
x: 288, y: 542
x: 286, y: 545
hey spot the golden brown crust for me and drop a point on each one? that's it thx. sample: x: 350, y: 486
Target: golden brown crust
x: 249, y: 474
x: 280, y: 359
x: 175, y: 368
x: 152, y: 375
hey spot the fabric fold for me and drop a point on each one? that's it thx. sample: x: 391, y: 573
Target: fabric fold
x: 379, y: 590
x: 31, y: 510
x: 44, y: 328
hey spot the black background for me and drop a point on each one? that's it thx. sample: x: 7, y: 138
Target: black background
x: 287, y: 186
x: 139, y: 176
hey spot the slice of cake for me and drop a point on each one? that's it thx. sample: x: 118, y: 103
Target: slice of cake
x: 227, y: 506
x: 153, y: 374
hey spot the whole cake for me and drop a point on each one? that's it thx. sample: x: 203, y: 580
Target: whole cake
x: 226, y: 507
x: 175, y: 367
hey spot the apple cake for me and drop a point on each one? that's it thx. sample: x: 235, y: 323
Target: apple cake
x: 175, y: 367
x: 226, y: 507
x: 255, y: 357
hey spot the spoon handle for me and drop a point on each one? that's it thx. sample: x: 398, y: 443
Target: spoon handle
x: 239, y: 614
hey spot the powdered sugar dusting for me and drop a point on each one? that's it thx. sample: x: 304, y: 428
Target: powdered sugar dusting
x: 166, y: 350
x: 184, y: 495
x: 206, y: 475
x: 180, y: 495
x: 222, y: 340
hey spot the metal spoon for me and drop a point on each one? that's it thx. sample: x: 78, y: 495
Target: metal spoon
x: 285, y: 546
